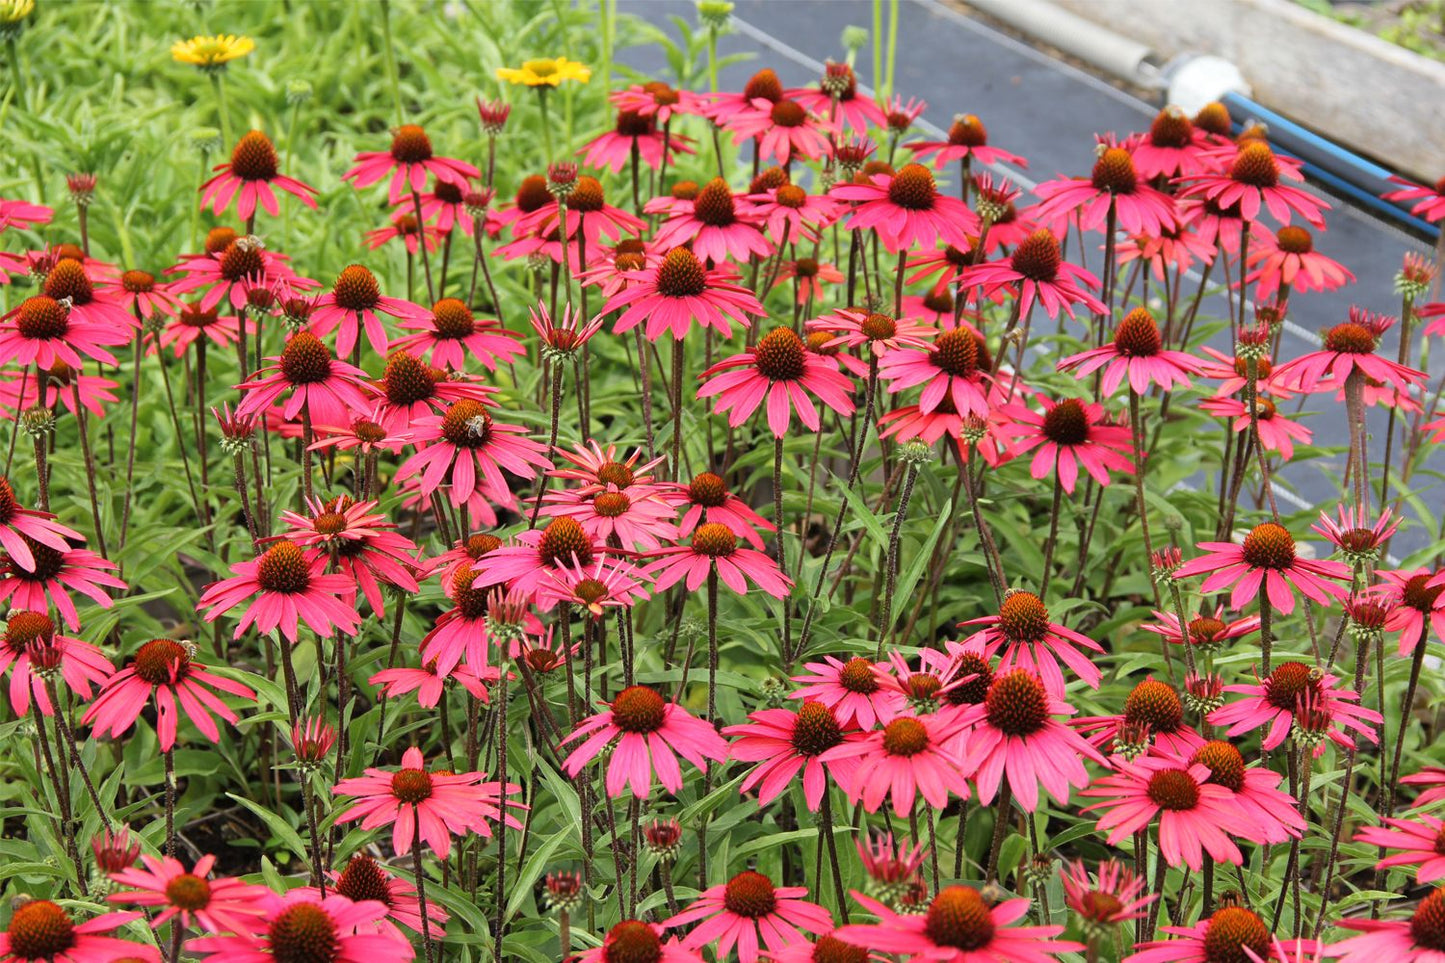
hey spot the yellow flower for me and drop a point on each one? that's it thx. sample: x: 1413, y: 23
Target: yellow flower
x: 547, y: 72
x: 211, y: 53
x: 12, y: 15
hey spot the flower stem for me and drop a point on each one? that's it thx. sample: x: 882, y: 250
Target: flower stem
x: 885, y: 617
x: 1002, y: 806
x: 170, y: 759
x: 421, y: 885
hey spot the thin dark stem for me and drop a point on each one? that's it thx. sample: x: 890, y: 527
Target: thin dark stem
x: 421, y: 886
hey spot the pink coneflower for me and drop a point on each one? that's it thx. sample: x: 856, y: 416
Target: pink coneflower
x: 1287, y: 258
x: 237, y: 272
x: 213, y: 905
x: 1232, y: 373
x: 1038, y: 270
x: 69, y: 279
x: 1422, y: 603
x: 924, y: 689
x: 747, y: 912
x: 300, y: 921
x: 1031, y: 641
x: 1419, y: 841
x: 782, y: 130
x: 33, y: 652
x: 1420, y: 939
x: 430, y: 687
x: 1172, y: 147
x: 780, y: 370
x: 1276, y: 431
x: 1194, y: 815
x: 1208, y: 632
x: 1231, y: 933
x: 907, y: 211
x: 679, y: 291
x: 468, y: 451
x: 1266, y: 559
x: 908, y: 757
x: 714, y: 547
x: 434, y: 805
x: 657, y: 99
x: 42, y: 932
x: 716, y: 228
x: 42, y: 331
x: 612, y: 270
x: 1104, y: 899
x: 360, y: 543
x: 959, y: 926
x: 1275, y: 813
x: 1137, y: 351
x: 633, y: 518
x: 404, y: 227
x: 764, y: 84
x: 636, y: 940
x: 1432, y: 776
x: 827, y: 947
x: 1014, y: 734
x: 1114, y: 185
x: 353, y: 303
x: 1214, y: 224
x: 52, y: 576
x: 634, y: 132
x: 413, y: 391
x: 851, y: 689
x: 193, y: 322
x: 408, y: 162
x: 19, y: 391
x: 809, y: 275
x: 1354, y: 536
x: 785, y: 743
x: 967, y: 141
x: 596, y: 468
x: 1251, y: 179
x: 363, y: 433
x: 707, y: 499
x: 329, y: 389
x: 280, y: 588
x: 523, y: 566
x: 364, y: 880
x: 1065, y: 435
x: 853, y: 109
x: 647, y: 734
x: 1153, y: 716
x: 447, y: 203
x: 1431, y: 200
x: 22, y: 214
x: 876, y: 333
x: 250, y: 176
x: 163, y: 670
x: 461, y: 633
x: 1277, y: 700
x: 950, y: 368
x: 587, y: 212
x: 791, y: 212
x: 1175, y: 249
x: 20, y: 526
x: 140, y: 293
x: 1349, y: 347
x: 607, y: 584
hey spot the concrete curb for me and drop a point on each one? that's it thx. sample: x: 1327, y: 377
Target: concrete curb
x: 1363, y: 92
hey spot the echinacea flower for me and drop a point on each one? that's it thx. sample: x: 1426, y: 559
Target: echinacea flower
x: 364, y: 880
x: 678, y: 292
x: 785, y: 743
x: 19, y: 525
x: 790, y: 212
x: 634, y: 132
x: 1038, y: 270
x: 1349, y: 348
x: 1230, y: 933
x: 748, y: 912
x: 142, y: 294
x: 808, y: 275
x: 779, y: 370
x: 875, y: 332
x: 1419, y: 939
x: 1105, y: 898
x: 215, y: 905
x: 407, y: 229
x: 608, y: 584
x: 636, y: 940
x: 1287, y: 258
x: 716, y: 228
x: 468, y: 451
x: 293, y: 924
x: 461, y: 632
x: 646, y: 734
x: 163, y: 670
x: 706, y: 499
x: 1421, y: 605
x: 42, y: 331
x: 1194, y: 815
x: 237, y: 272
x: 838, y: 89
x: 1430, y: 201
x: 1275, y: 813
x: 1266, y: 564
x: 783, y: 130
x: 908, y: 757
x: 359, y: 542
x: 1153, y: 716
x: 22, y: 214
x: 967, y: 140
x: 959, y: 926
x: 32, y: 651
x: 1014, y: 734
x: 1030, y: 640
x: 1277, y: 432
x: 408, y: 161
x: 426, y: 806
x: 1114, y: 186
x: 1276, y: 702
x: 1251, y: 179
x: 949, y: 369
x: 1172, y: 147
x: 250, y: 176
x: 545, y: 72
x: 54, y: 574
x: 281, y: 588
x: 353, y: 303
x: 1354, y: 536
x: 329, y: 390
x: 411, y: 391
x: 1418, y: 840
x: 907, y: 211
x: 660, y: 100
x: 634, y: 518
x: 1207, y: 632
x: 1064, y: 436
x: 213, y: 52
x: 851, y: 689
x: 1137, y: 352
x: 714, y: 548
x: 42, y: 932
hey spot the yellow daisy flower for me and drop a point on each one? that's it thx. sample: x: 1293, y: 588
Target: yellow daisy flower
x: 13, y: 14
x: 546, y: 72
x: 211, y: 53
